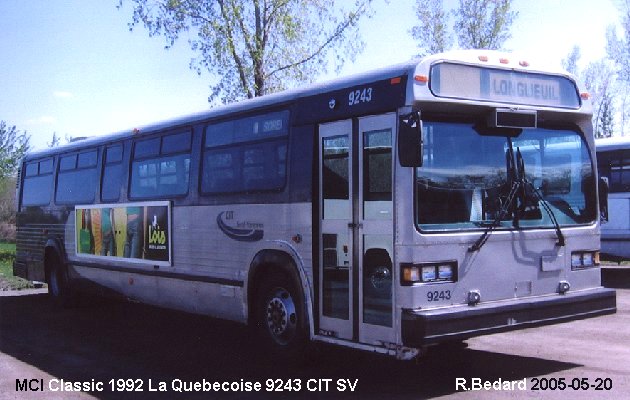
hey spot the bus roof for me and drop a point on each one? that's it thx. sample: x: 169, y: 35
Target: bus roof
x: 248, y: 105
x: 612, y: 143
x: 482, y: 58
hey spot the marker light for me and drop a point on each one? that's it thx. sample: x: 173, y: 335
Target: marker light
x: 504, y: 61
x: 421, y: 78
x: 483, y: 58
x: 523, y: 63
x: 585, y: 95
x: 411, y: 274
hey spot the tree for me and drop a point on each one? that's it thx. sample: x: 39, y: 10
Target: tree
x: 570, y: 63
x: 618, y: 48
x: 483, y: 24
x: 432, y: 34
x: 7, y: 208
x: 256, y: 47
x: 605, y: 127
x: 55, y: 141
x: 479, y: 24
x: 13, y: 145
x: 599, y: 81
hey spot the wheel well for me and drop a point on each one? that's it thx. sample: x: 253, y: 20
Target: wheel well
x: 377, y: 257
x: 266, y: 262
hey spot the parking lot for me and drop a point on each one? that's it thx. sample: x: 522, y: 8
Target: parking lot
x: 125, y: 345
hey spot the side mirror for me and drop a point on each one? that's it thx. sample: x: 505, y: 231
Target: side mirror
x: 410, y: 140
x: 603, y: 199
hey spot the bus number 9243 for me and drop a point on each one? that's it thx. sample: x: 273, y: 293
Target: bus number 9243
x: 439, y: 295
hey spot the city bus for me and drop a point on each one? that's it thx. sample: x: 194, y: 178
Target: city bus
x: 613, y: 160
x: 390, y: 211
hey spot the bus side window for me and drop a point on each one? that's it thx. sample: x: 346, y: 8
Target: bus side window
x: 246, y: 155
x: 37, y: 183
x: 76, y: 181
x: 112, y: 173
x: 159, y: 171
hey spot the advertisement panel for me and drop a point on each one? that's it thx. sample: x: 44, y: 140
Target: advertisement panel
x: 138, y: 231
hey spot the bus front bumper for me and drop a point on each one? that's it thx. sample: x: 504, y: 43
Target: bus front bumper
x: 425, y: 327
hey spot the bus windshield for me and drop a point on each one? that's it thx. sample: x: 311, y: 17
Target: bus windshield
x: 467, y: 177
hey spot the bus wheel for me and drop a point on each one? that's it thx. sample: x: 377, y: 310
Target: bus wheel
x: 281, y: 317
x: 58, y: 286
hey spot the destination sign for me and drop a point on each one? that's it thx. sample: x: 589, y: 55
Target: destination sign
x: 504, y: 86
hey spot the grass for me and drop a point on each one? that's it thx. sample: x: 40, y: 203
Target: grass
x: 7, y: 280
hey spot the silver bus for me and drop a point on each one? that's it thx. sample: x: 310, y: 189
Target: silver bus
x: 419, y: 204
x: 613, y: 159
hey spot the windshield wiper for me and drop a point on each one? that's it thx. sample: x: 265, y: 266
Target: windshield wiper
x: 519, y: 185
x: 525, y: 183
x: 505, y: 207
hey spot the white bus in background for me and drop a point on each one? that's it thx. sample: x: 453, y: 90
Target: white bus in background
x: 613, y: 160
x: 424, y: 203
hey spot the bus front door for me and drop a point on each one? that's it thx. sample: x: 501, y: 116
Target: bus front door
x: 356, y: 229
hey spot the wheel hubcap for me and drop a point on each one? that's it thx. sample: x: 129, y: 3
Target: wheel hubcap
x: 281, y: 316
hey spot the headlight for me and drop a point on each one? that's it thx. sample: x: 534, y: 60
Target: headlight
x: 428, y: 273
x: 587, y: 259
x: 576, y: 260
x: 445, y: 272
x: 584, y: 259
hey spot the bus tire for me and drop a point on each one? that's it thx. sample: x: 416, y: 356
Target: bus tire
x: 57, y: 278
x: 280, y: 317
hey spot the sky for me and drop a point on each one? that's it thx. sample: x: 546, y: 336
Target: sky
x: 73, y: 67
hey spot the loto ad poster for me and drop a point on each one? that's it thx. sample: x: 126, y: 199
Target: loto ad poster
x: 139, y: 231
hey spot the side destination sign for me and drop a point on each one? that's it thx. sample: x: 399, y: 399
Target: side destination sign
x: 470, y: 82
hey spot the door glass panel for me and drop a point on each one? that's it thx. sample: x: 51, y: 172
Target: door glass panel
x: 377, y: 280
x: 336, y: 206
x: 335, y: 178
x: 336, y: 301
x: 377, y: 178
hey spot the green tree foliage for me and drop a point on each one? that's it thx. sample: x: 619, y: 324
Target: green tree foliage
x: 571, y: 62
x: 13, y: 145
x: 600, y: 81
x: 478, y: 24
x: 7, y: 204
x: 256, y: 47
x: 432, y: 34
x: 605, y: 125
x: 483, y: 24
x: 55, y: 141
x: 618, y: 50
x: 618, y: 47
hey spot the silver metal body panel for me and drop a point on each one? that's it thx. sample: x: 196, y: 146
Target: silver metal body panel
x: 209, y: 270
